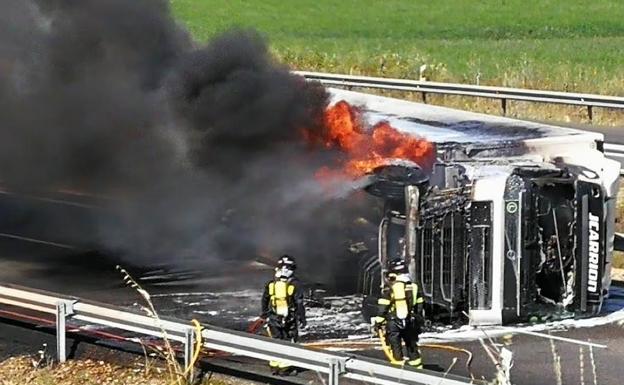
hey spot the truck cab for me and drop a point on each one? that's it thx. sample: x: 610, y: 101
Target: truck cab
x: 514, y: 220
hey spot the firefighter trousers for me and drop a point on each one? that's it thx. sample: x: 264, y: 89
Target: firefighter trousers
x: 282, y: 329
x: 407, y: 331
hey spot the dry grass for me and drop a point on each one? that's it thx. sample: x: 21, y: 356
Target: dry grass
x: 20, y: 371
x: 539, y: 80
x: 177, y: 374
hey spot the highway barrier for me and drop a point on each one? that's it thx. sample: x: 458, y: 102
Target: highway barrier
x: 502, y: 93
x: 333, y: 365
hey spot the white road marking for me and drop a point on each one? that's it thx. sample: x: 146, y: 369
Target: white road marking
x: 51, y: 200
x: 27, y: 239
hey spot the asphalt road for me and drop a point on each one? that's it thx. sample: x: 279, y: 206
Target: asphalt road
x: 90, y: 276
x: 534, y: 362
x: 612, y: 134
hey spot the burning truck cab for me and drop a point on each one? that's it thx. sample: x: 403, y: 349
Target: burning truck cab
x: 513, y: 219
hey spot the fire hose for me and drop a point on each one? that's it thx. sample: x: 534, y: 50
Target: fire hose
x: 454, y: 349
x: 386, y: 349
x: 256, y: 325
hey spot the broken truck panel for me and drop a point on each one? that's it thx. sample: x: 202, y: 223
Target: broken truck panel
x: 515, y: 220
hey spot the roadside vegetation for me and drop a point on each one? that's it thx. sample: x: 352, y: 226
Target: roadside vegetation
x: 568, y: 46
x: 25, y: 371
x: 159, y: 365
x: 21, y: 370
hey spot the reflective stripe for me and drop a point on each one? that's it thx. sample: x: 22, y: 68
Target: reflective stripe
x: 278, y: 365
x: 272, y: 295
x: 383, y: 301
x: 386, y: 349
x: 400, y: 304
x: 416, y: 298
x: 416, y: 363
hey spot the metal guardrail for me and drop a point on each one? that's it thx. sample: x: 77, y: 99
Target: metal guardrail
x: 615, y: 152
x: 502, y: 93
x: 334, y: 365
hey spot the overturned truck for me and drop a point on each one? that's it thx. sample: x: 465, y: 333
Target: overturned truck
x: 514, y: 220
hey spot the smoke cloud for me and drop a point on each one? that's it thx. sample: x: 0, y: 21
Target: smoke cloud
x: 197, y: 149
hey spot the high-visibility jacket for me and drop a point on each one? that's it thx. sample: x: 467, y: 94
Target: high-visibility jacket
x: 283, y: 297
x: 400, y: 301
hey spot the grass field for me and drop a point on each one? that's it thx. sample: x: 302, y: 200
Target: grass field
x: 573, y: 45
x: 567, y: 45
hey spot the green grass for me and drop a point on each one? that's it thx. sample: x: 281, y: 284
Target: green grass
x: 567, y: 45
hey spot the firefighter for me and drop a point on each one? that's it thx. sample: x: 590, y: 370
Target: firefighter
x: 399, y: 317
x: 282, y: 307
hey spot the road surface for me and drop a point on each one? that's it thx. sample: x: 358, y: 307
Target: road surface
x: 46, y: 267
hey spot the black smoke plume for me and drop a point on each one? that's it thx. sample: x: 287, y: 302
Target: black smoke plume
x: 196, y: 150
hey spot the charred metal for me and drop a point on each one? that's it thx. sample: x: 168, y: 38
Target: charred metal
x: 513, y: 221
x: 502, y: 240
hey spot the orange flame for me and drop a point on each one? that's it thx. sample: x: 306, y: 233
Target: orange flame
x: 366, y: 148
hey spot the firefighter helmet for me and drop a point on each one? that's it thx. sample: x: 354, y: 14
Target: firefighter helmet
x: 286, y: 261
x: 283, y: 272
x: 397, y: 266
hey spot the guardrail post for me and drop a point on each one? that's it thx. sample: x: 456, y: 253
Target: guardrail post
x: 336, y: 368
x: 504, y: 106
x: 188, y: 348
x: 424, y: 97
x: 590, y: 113
x: 64, y: 309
